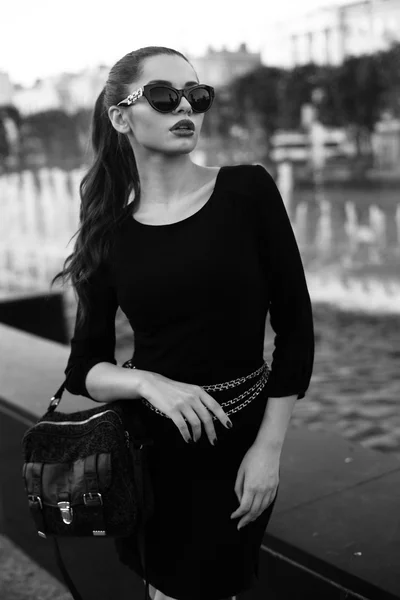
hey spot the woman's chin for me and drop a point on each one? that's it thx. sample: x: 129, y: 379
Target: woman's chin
x: 180, y: 149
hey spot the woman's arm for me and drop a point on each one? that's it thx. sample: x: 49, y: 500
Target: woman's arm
x: 290, y: 306
x: 106, y: 382
x: 91, y: 369
x: 272, y: 432
x: 290, y: 315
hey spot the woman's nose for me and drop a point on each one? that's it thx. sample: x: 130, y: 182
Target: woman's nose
x: 184, y: 104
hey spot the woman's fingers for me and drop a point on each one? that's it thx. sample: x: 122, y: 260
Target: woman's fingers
x: 213, y: 406
x: 197, y: 415
x: 178, y: 419
x: 204, y: 406
x: 184, y: 403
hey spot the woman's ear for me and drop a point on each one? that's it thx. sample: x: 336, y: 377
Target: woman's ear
x: 118, y: 119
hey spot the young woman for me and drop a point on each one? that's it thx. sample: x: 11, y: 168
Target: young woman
x: 195, y: 257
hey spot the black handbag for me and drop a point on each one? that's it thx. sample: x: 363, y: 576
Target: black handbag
x: 85, y: 474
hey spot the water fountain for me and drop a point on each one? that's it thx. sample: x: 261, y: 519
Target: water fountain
x: 350, y: 248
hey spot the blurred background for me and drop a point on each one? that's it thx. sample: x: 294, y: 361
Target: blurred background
x: 310, y: 90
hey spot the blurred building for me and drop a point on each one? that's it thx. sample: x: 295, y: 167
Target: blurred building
x: 328, y: 35
x: 72, y: 91
x: 220, y: 67
x: 6, y: 89
x: 80, y: 90
x: 41, y: 96
x: 66, y: 91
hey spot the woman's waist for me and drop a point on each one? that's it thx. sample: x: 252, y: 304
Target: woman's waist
x: 233, y: 389
x: 199, y: 369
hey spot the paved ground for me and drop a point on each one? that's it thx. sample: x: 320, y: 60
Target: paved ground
x: 23, y: 579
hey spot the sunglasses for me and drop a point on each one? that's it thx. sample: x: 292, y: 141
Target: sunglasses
x: 165, y: 98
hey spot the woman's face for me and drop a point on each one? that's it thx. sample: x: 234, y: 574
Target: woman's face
x: 149, y: 128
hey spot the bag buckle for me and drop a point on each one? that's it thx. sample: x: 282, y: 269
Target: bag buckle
x: 92, y: 499
x: 54, y: 402
x: 34, y: 500
x: 66, y: 512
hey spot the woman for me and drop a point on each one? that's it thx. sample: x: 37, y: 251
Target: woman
x: 195, y: 260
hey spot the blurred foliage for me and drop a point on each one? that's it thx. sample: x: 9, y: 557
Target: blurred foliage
x: 55, y: 130
x: 4, y: 145
x: 353, y: 95
x: 7, y: 113
x: 51, y: 138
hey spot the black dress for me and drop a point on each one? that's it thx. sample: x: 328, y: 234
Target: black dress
x: 197, y: 293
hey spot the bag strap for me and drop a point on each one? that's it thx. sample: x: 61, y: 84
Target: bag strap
x: 56, y: 399
x: 70, y: 584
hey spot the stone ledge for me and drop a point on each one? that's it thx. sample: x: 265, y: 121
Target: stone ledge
x: 23, y: 579
x: 337, y: 512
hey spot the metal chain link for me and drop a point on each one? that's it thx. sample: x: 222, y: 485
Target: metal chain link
x: 264, y: 369
x: 234, y: 382
x: 247, y: 392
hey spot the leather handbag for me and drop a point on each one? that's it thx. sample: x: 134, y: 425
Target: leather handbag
x: 86, y: 474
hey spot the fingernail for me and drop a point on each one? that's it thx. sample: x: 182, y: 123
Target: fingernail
x: 214, y: 442
x: 229, y: 424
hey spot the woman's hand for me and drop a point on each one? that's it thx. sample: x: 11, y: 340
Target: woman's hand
x: 183, y: 402
x: 256, y: 483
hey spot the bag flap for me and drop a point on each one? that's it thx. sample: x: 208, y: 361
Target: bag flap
x: 68, y: 478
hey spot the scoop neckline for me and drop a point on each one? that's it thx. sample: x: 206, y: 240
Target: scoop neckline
x: 192, y: 216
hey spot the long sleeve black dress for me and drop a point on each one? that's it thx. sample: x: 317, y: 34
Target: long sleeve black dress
x: 197, y: 293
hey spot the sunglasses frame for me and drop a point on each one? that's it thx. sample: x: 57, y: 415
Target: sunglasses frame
x: 145, y: 91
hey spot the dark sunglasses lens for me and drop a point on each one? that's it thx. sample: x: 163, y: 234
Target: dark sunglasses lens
x: 200, y: 99
x: 163, y: 99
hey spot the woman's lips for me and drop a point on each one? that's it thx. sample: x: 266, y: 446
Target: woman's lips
x: 182, y: 132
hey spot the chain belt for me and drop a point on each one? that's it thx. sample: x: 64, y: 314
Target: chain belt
x: 264, y: 370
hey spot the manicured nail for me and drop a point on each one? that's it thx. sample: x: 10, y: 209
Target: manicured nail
x: 229, y: 424
x: 214, y: 442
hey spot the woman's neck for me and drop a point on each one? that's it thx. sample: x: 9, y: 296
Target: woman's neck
x: 165, y: 185
x: 161, y: 208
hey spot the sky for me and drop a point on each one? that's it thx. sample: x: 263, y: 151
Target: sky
x: 39, y: 38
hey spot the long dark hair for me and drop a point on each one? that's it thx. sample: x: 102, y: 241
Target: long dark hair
x: 108, y: 183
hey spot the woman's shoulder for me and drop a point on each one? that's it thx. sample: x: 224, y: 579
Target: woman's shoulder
x: 247, y: 169
x: 246, y: 178
x: 241, y: 167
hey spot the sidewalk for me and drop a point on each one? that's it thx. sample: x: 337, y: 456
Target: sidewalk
x: 23, y: 579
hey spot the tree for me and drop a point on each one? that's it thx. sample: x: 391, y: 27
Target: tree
x: 389, y: 68
x: 10, y: 126
x: 361, y: 88
x: 256, y: 100
x: 4, y: 145
x: 257, y: 91
x: 298, y: 84
x: 82, y: 121
x: 57, y: 133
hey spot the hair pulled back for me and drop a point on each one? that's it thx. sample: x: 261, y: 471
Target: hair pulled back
x: 106, y: 187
